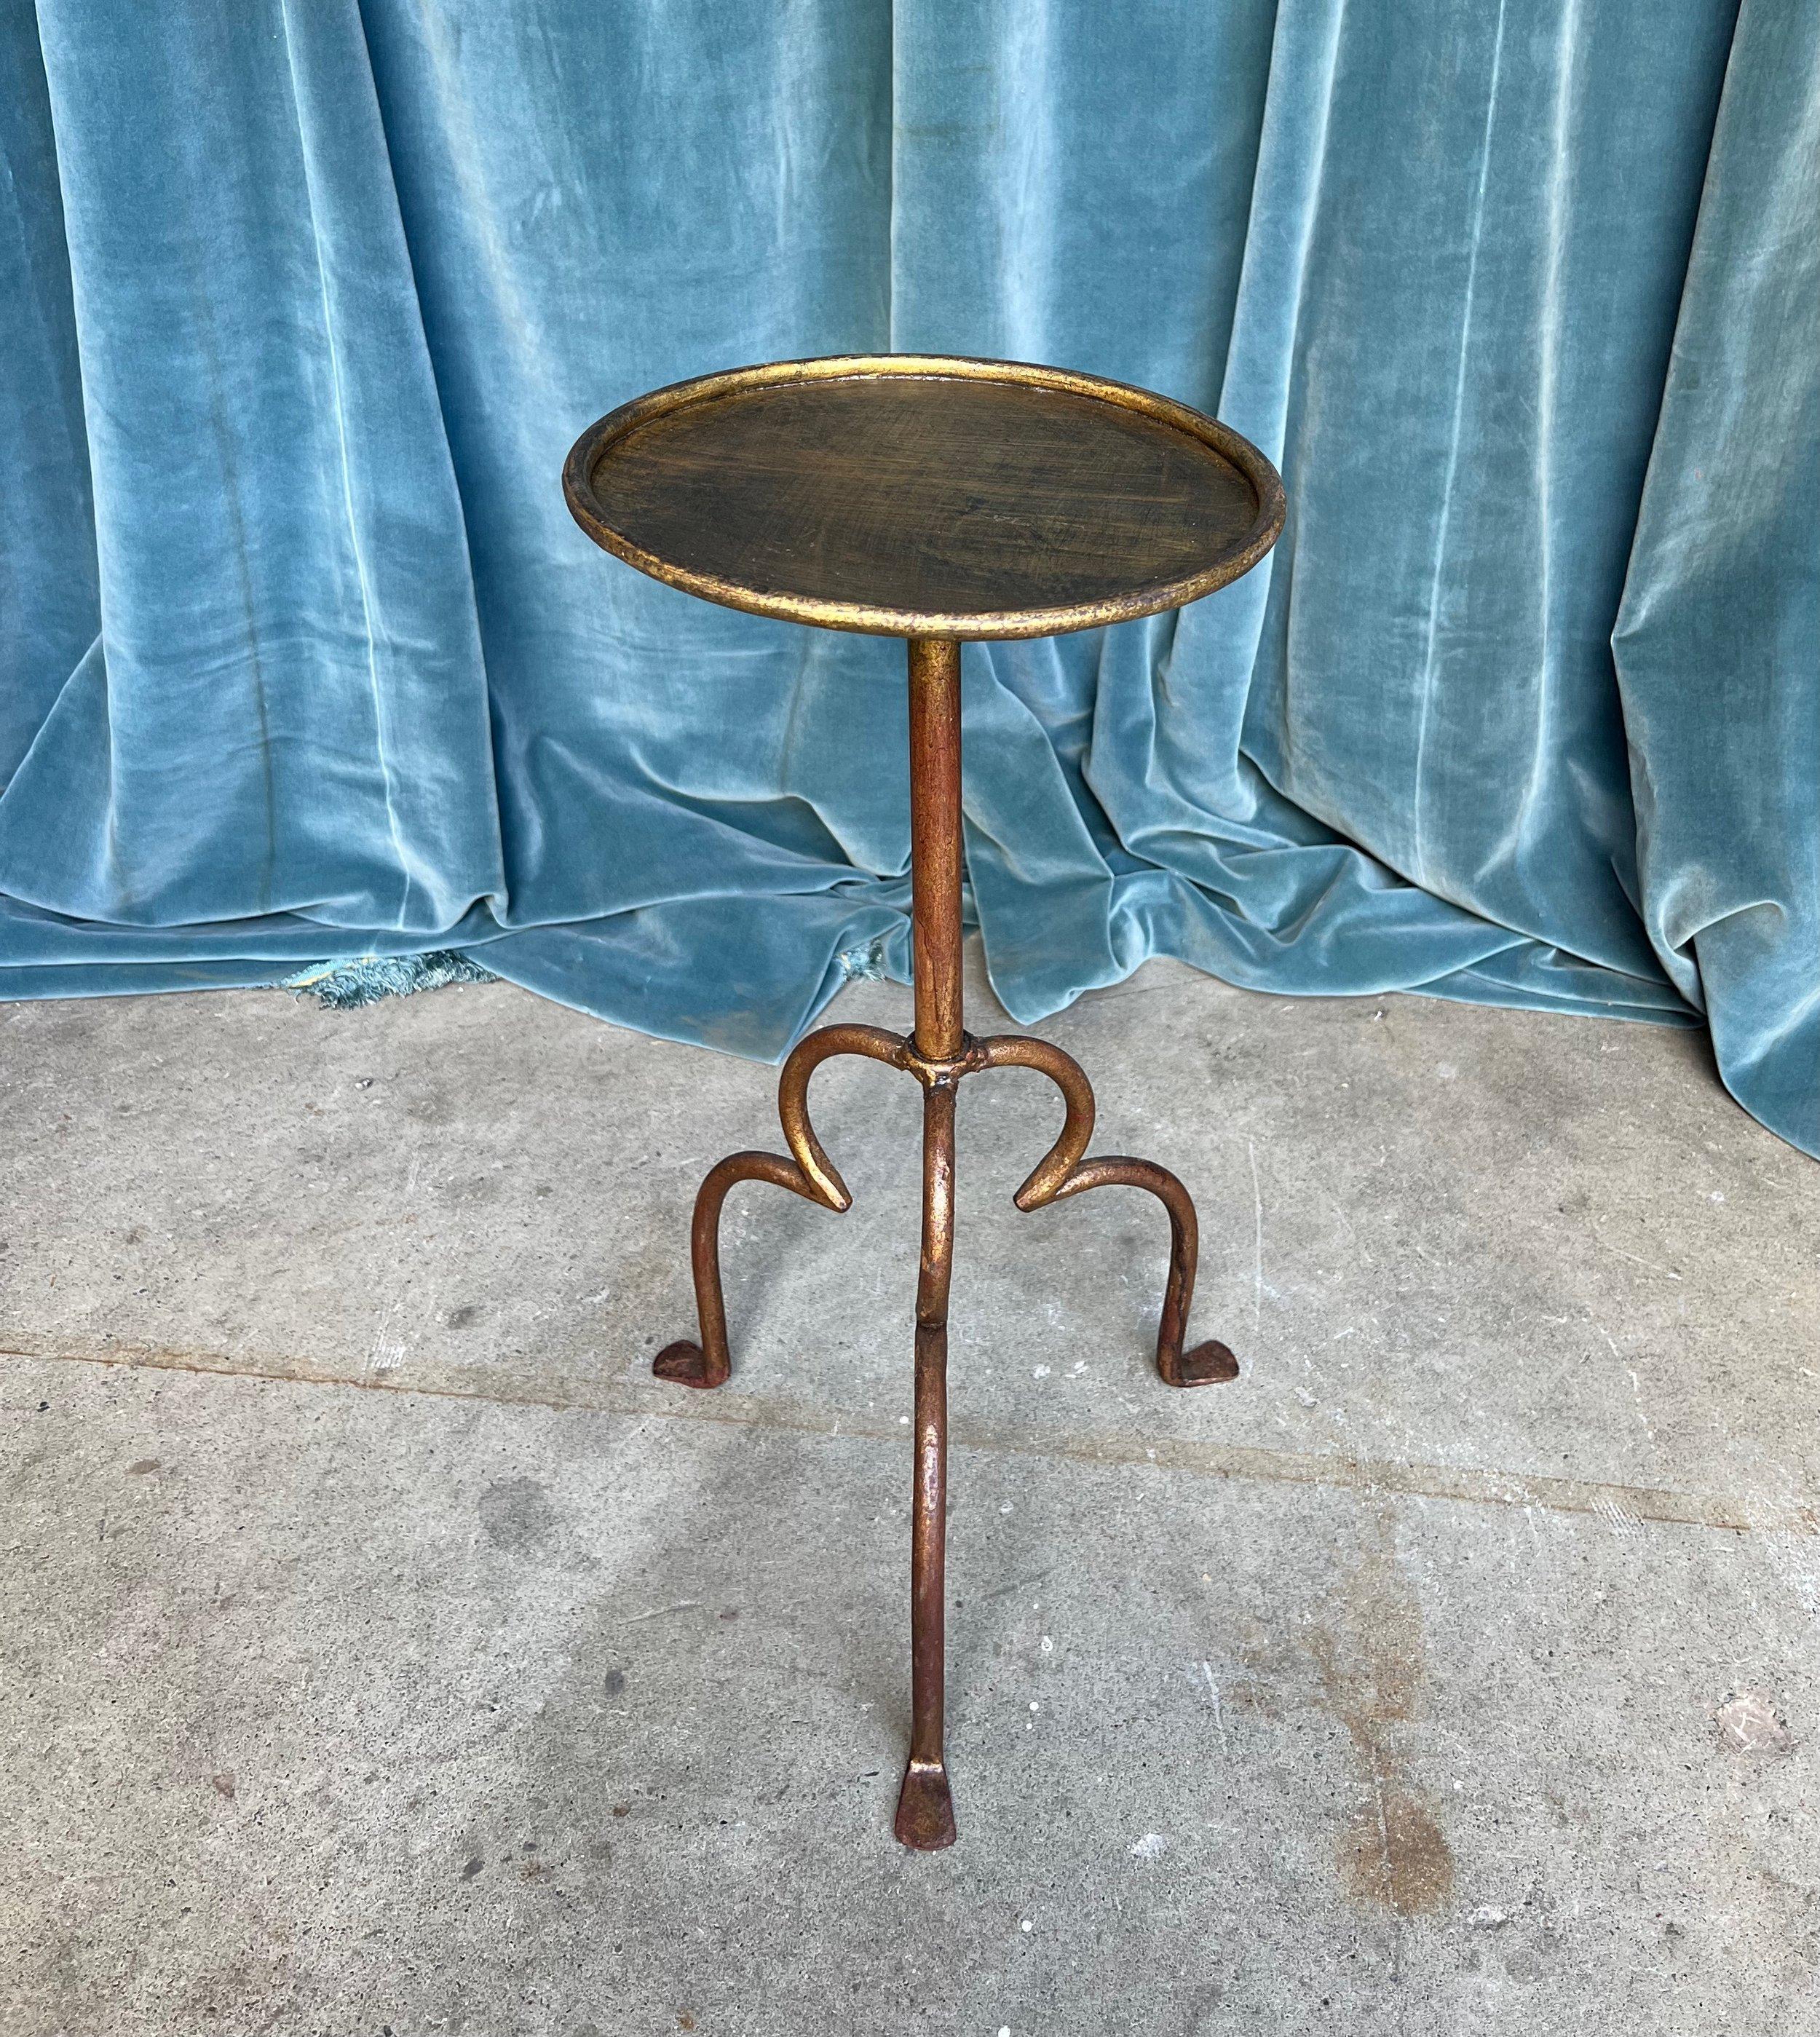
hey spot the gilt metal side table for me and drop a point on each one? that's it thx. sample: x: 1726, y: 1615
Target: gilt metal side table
x: 933, y: 498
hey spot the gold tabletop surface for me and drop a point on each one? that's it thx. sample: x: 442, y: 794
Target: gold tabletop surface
x: 925, y: 495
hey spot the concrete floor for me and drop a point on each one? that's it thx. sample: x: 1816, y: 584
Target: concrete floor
x: 385, y: 1651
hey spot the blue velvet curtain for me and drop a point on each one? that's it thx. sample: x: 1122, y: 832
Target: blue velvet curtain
x: 302, y: 657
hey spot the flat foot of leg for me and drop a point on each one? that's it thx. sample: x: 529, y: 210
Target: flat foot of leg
x: 1208, y: 1364
x: 925, y: 1808
x: 687, y: 1364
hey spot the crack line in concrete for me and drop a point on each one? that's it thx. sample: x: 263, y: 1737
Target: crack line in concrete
x: 1629, y: 1504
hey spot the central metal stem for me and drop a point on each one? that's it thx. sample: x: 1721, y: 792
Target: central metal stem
x: 925, y: 1806
x: 937, y: 856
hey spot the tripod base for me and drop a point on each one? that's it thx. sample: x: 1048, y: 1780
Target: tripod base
x: 925, y: 1807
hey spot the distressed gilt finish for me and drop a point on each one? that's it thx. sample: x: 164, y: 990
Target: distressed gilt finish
x: 1008, y: 462
x: 950, y: 485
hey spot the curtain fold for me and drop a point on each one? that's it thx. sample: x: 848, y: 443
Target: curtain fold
x: 285, y: 708
x: 1722, y: 602
x: 301, y: 656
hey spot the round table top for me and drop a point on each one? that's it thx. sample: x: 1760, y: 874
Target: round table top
x: 913, y: 495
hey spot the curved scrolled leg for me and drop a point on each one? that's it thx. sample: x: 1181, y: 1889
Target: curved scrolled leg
x: 707, y: 1363
x: 1207, y: 1364
x: 1065, y: 1170
x: 876, y: 1044
x: 808, y: 1172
